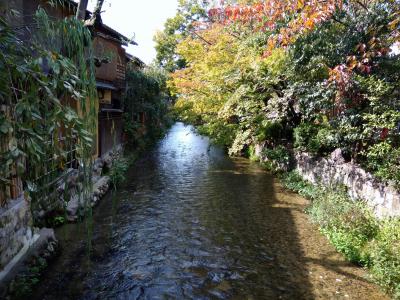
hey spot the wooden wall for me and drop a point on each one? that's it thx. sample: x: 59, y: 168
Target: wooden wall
x: 114, y: 70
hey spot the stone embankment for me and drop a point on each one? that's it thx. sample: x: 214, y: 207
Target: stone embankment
x: 384, y: 199
x: 334, y: 171
x: 20, y: 240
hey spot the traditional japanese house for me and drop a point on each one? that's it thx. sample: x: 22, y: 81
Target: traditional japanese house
x: 110, y: 61
x: 110, y: 76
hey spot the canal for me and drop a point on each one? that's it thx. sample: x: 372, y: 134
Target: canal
x: 192, y: 223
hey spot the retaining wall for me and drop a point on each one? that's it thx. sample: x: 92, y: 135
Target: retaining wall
x: 333, y: 171
x: 16, y: 232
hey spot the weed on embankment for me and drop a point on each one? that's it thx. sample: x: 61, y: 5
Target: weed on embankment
x: 352, y: 228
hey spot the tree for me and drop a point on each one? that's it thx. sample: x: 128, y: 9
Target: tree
x: 286, y: 20
x: 175, y: 30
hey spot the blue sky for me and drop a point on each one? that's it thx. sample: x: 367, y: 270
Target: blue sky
x: 138, y: 18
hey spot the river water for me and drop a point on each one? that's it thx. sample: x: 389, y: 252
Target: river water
x: 192, y: 223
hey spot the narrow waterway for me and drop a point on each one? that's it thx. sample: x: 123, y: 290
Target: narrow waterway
x: 192, y: 223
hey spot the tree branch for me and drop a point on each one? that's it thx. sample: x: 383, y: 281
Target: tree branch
x: 200, y: 37
x: 362, y: 5
x: 95, y: 18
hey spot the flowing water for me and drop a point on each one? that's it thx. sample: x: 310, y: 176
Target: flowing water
x: 192, y: 223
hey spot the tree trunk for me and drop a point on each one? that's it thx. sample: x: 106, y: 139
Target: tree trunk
x: 81, y: 11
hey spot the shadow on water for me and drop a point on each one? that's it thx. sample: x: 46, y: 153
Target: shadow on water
x: 189, y: 223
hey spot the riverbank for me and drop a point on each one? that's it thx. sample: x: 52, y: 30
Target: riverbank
x: 28, y: 268
x: 190, y: 222
x: 356, y: 212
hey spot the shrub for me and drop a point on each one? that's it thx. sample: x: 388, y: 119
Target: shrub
x: 384, y: 161
x: 278, y: 158
x: 220, y: 133
x: 327, y: 140
x: 385, y: 254
x: 251, y: 153
x: 347, y: 224
x: 294, y: 182
x: 305, y: 137
x: 118, y: 171
x: 270, y: 131
x: 316, y: 139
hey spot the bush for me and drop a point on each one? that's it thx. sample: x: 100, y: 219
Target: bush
x: 384, y: 161
x: 385, y: 254
x: 327, y: 140
x: 347, y: 224
x: 294, y: 182
x: 277, y: 159
x: 118, y: 171
x: 316, y: 139
x: 220, y: 133
x: 305, y: 137
x: 270, y: 131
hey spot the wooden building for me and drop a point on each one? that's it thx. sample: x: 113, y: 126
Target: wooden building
x: 110, y: 61
x: 111, y: 85
x: 111, y: 64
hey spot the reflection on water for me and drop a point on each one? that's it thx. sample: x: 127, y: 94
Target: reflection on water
x: 190, y: 223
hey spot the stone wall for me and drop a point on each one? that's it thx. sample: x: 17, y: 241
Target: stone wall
x: 75, y: 207
x: 69, y: 194
x: 18, y: 237
x: 16, y: 232
x: 332, y: 171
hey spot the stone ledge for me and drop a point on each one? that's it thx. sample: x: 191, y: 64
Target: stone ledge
x: 39, y: 242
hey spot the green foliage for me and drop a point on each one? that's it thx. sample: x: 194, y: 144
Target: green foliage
x: 294, y: 182
x: 277, y: 159
x: 241, y: 142
x: 176, y: 29
x: 385, y: 254
x: 55, y: 221
x: 146, y: 105
x: 219, y: 132
x: 118, y: 171
x: 251, y: 153
x: 22, y: 286
x: 305, y: 137
x: 270, y: 131
x: 384, y: 160
x: 316, y: 139
x: 36, y: 79
x: 347, y: 224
